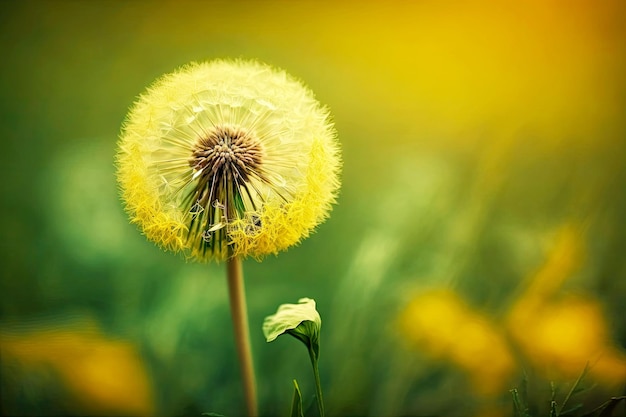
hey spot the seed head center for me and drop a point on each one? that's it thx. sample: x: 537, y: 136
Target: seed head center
x: 224, y: 161
x: 227, y: 153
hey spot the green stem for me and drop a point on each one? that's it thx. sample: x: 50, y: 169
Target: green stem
x: 318, y: 385
x: 239, y: 313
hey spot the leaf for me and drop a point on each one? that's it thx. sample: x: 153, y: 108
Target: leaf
x: 571, y: 410
x: 308, y: 333
x: 606, y: 409
x: 613, y: 402
x: 574, y: 388
x: 519, y: 408
x: 296, y: 403
x: 289, y: 317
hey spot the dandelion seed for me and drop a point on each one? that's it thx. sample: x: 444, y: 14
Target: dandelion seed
x: 207, y: 235
x: 228, y: 158
x: 196, y: 209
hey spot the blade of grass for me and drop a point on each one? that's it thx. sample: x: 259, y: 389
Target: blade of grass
x: 574, y: 387
x: 519, y: 409
x: 296, y: 403
x: 606, y: 407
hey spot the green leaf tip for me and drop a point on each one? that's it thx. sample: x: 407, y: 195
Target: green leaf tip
x: 296, y: 403
x: 299, y: 320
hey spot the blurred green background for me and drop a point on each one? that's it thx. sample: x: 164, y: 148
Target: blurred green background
x: 479, y: 234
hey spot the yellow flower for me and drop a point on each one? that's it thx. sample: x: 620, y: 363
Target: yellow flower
x: 100, y: 375
x: 445, y: 327
x: 228, y: 158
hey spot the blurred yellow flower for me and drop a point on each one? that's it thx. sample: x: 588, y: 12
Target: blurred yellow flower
x: 560, y: 335
x: 103, y: 376
x: 560, y: 339
x: 557, y: 336
x: 228, y: 158
x: 446, y: 328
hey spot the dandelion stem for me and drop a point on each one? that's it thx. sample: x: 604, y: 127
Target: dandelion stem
x: 239, y: 313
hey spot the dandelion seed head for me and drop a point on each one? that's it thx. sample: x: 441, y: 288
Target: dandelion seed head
x: 228, y: 158
x: 227, y: 153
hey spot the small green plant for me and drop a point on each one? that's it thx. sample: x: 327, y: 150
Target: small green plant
x: 303, y: 322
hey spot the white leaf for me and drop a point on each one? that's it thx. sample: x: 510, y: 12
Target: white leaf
x: 289, y: 316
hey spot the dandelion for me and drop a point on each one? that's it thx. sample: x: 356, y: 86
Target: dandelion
x: 228, y: 158
x: 225, y: 160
